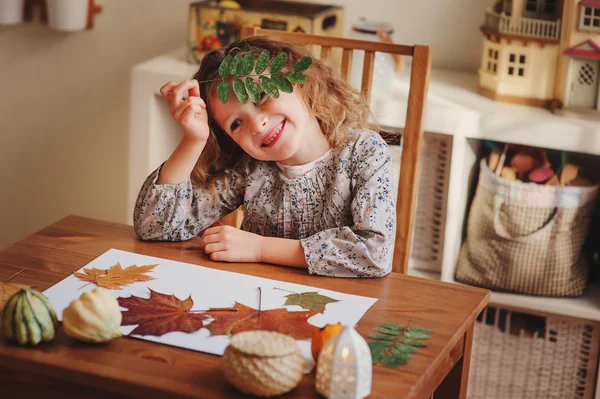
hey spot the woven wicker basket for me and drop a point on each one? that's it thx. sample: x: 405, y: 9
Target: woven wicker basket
x: 263, y: 363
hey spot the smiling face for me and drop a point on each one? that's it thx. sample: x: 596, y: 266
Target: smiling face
x: 275, y: 129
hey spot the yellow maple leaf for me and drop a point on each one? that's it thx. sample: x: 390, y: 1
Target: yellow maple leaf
x: 116, y: 276
x: 9, y: 289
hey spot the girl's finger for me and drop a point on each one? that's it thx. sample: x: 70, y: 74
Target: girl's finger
x: 167, y: 89
x: 187, y: 88
x: 214, y: 247
x: 212, y: 230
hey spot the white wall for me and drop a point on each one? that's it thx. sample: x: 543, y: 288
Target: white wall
x: 451, y: 27
x: 64, y: 103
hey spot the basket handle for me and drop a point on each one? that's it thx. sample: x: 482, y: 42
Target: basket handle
x: 501, y: 231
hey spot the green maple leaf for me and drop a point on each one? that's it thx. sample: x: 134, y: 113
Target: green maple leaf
x: 309, y: 300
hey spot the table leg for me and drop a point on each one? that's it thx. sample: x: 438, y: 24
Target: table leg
x: 454, y: 385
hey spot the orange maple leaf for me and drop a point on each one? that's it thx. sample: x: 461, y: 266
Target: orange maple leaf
x: 244, y: 318
x: 9, y: 289
x: 116, y: 276
x: 160, y: 314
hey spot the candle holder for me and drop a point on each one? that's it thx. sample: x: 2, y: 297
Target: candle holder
x: 344, y: 369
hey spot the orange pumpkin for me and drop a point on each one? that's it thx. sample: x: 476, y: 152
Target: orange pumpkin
x: 320, y: 337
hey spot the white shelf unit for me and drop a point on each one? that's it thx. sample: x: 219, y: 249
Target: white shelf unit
x: 454, y: 110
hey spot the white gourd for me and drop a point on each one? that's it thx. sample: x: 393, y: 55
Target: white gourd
x: 94, y: 317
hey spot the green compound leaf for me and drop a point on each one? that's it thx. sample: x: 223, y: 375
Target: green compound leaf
x: 303, y: 64
x: 236, y: 65
x: 252, y: 90
x: 420, y: 330
x: 416, y: 335
x: 309, y: 300
x: 282, y: 83
x: 278, y: 63
x: 268, y: 86
x: 225, y: 67
x: 247, y: 63
x: 296, y: 77
x: 262, y: 62
x: 381, y: 337
x: 240, y: 90
x: 413, y: 342
x: 386, y: 331
x: 223, y: 91
x: 393, y: 327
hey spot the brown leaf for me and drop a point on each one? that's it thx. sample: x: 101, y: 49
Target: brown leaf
x: 116, y: 276
x: 9, y: 289
x: 229, y: 322
x: 160, y: 314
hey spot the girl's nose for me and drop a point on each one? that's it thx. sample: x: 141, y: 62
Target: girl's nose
x: 261, y: 122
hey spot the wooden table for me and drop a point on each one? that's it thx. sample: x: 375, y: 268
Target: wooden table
x: 138, y: 368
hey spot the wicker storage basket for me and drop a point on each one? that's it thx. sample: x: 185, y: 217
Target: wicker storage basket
x: 518, y: 355
x: 263, y: 363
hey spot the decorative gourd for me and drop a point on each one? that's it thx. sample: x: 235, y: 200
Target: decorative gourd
x: 29, y: 318
x: 94, y: 317
x: 322, y: 336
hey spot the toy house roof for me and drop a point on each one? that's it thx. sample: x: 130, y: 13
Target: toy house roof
x: 587, y: 49
x: 590, y: 3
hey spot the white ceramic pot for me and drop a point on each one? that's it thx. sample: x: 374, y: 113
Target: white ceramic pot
x: 11, y: 12
x: 67, y: 15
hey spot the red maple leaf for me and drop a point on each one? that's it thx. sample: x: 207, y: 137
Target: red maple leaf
x: 160, y: 314
x: 244, y: 318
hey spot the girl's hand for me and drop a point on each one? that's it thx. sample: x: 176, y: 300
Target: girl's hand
x: 226, y: 243
x: 190, y: 113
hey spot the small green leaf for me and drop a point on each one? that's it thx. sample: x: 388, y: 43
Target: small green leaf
x: 413, y: 342
x: 236, y: 65
x: 247, y: 63
x: 224, y: 68
x: 278, y: 63
x: 262, y: 62
x: 379, y: 344
x: 386, y: 331
x: 381, y: 337
x: 405, y: 356
x: 303, y: 63
x: 296, y: 77
x: 223, y: 91
x: 416, y: 335
x: 391, y: 361
x: 420, y: 330
x: 393, y: 327
x: 406, y: 348
x: 240, y: 90
x: 282, y: 83
x: 253, y: 90
x: 268, y: 87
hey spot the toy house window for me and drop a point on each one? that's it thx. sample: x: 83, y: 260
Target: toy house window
x: 492, y: 64
x: 531, y: 5
x: 516, y: 64
x: 590, y: 18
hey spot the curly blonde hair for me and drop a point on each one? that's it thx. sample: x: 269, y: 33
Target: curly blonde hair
x: 338, y: 107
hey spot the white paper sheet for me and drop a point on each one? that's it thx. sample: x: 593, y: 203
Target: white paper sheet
x: 209, y: 288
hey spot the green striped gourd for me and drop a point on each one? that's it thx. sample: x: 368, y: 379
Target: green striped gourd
x: 29, y: 318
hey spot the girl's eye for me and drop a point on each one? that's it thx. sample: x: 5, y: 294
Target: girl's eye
x: 235, y: 124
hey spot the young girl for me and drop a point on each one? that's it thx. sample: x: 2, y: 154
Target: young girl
x: 316, y: 184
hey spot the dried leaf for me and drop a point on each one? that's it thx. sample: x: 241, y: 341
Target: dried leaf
x: 160, y: 314
x: 116, y: 276
x: 246, y: 318
x: 9, y: 289
x: 262, y: 62
x: 309, y: 300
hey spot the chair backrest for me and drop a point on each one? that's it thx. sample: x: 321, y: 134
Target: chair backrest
x: 412, y: 136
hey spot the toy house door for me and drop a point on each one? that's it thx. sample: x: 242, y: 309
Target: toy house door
x: 541, y: 9
x: 584, y: 79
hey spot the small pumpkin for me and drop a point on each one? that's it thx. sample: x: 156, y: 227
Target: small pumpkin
x: 322, y: 336
x: 29, y: 318
x: 94, y: 317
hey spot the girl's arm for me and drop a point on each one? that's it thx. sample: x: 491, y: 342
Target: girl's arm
x: 364, y: 248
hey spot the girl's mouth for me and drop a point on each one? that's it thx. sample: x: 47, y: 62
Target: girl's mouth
x: 273, y: 136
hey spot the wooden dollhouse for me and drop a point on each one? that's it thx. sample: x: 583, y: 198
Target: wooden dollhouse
x: 544, y: 53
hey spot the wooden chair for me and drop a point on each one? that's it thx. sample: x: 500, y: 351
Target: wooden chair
x: 412, y: 136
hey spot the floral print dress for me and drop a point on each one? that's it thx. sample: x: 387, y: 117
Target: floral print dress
x: 341, y: 207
